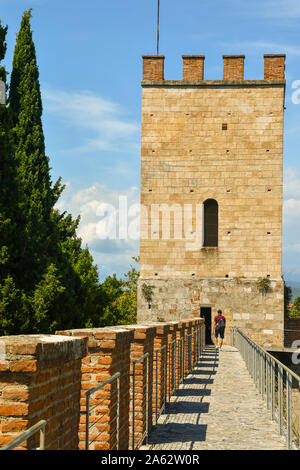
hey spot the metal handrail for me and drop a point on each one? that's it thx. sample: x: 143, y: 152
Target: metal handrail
x: 40, y: 426
x: 180, y: 346
x: 186, y: 350
x: 172, y: 362
x: 114, y: 377
x: 159, y: 409
x: 274, y: 382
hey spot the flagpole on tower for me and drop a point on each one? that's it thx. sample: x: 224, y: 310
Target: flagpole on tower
x: 157, y: 28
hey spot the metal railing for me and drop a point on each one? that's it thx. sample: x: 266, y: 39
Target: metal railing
x: 277, y: 384
x: 160, y: 367
x: 172, y: 362
x: 97, y: 409
x: 40, y: 426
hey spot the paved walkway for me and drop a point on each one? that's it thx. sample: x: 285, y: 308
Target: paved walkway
x: 217, y: 407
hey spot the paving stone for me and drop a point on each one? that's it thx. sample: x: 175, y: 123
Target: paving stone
x: 217, y: 407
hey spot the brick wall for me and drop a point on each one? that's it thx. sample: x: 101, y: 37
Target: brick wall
x: 233, y: 67
x: 48, y: 377
x: 108, y: 353
x: 160, y: 355
x: 140, y: 411
x: 153, y: 67
x: 114, y: 349
x: 40, y: 378
x: 291, y: 331
x: 274, y: 66
x: 193, y: 67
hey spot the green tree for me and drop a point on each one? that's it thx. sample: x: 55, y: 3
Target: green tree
x: 11, y: 298
x: 287, y: 299
x: 119, y: 298
x: 33, y: 169
x: 52, y: 283
x: 294, y: 311
x: 8, y: 180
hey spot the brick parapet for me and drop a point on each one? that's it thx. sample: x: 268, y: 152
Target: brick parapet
x: 40, y: 379
x: 160, y: 357
x: 274, y: 66
x: 193, y: 67
x: 153, y: 67
x: 233, y: 67
x: 33, y: 388
x: 108, y: 353
x: 141, y: 344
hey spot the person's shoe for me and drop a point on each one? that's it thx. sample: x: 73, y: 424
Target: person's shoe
x: 217, y: 347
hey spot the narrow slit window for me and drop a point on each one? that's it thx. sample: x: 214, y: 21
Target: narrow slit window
x: 211, y: 223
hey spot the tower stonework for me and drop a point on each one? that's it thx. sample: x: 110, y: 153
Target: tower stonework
x: 211, y: 196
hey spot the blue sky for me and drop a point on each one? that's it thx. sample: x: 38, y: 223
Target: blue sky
x: 89, y: 55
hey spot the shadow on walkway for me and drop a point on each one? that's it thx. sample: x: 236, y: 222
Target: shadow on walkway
x: 171, y: 430
x: 185, y: 432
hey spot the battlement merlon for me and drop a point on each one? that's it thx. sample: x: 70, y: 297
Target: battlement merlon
x: 233, y: 68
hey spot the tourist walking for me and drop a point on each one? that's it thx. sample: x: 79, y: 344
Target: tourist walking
x: 219, y: 329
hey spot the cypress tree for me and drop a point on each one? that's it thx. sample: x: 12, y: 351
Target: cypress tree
x: 7, y: 170
x: 11, y: 315
x: 54, y: 283
x: 33, y: 165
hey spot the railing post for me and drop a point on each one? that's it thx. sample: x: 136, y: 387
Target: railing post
x: 280, y: 400
x: 87, y: 423
x: 288, y: 409
x: 298, y: 415
x: 118, y: 412
x: 147, y: 397
x: 272, y: 390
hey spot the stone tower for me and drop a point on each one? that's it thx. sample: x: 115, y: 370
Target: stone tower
x: 211, y: 196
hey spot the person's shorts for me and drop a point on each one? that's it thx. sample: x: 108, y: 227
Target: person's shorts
x: 220, y: 332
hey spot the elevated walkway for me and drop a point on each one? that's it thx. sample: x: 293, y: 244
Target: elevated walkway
x: 218, y: 407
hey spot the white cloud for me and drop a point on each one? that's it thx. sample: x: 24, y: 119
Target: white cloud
x: 277, y: 9
x: 271, y: 47
x: 291, y: 223
x: 100, y: 124
x: 291, y: 184
x: 112, y: 255
x: 291, y: 207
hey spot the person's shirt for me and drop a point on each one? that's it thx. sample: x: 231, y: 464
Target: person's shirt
x: 218, y: 318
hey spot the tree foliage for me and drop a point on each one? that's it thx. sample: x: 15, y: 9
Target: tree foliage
x: 287, y: 299
x: 294, y: 311
x: 48, y: 281
x: 119, y: 298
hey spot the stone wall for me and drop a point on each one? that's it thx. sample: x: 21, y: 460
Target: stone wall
x: 258, y: 314
x: 221, y: 140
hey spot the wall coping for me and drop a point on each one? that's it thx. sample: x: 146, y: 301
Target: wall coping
x: 212, y: 83
x: 43, y: 347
